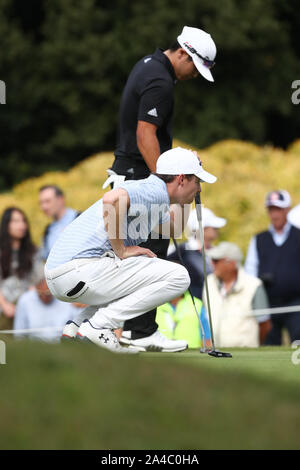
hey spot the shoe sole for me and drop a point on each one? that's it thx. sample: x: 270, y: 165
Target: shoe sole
x: 155, y: 349
x: 127, y: 342
x: 83, y: 339
x: 67, y: 339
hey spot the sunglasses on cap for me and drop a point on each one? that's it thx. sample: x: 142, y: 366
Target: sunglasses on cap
x: 208, y: 63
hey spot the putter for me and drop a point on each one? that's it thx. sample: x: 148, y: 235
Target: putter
x: 203, y: 349
x: 214, y: 352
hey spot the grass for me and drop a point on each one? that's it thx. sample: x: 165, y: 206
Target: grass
x: 75, y: 396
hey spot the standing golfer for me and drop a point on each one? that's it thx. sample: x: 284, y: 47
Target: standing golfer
x: 145, y: 128
x: 97, y: 260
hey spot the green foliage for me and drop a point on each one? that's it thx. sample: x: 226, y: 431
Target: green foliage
x: 246, y: 172
x: 65, y: 64
x: 82, y: 186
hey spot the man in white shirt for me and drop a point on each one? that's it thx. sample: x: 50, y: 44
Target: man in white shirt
x: 234, y: 295
x: 38, y: 309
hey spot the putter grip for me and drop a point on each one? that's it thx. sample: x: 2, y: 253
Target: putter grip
x: 198, y: 207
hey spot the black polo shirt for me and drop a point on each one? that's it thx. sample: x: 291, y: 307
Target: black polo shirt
x: 148, y: 96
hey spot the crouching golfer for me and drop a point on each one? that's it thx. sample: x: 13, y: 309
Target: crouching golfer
x: 97, y: 260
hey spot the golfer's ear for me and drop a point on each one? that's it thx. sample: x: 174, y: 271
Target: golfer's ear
x: 182, y: 53
x: 180, y: 179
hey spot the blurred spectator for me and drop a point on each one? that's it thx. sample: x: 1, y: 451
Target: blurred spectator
x: 37, y: 308
x: 20, y: 264
x: 293, y: 216
x: 274, y: 256
x: 52, y: 203
x: 177, y: 320
x: 233, y: 296
x: 191, y: 250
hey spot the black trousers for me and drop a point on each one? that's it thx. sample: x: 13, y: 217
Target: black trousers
x: 290, y: 321
x: 143, y: 325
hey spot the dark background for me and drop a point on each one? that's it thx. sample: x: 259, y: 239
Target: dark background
x: 65, y: 63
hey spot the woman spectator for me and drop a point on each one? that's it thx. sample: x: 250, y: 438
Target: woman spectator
x: 20, y: 263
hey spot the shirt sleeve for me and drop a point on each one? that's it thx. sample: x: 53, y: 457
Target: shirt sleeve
x: 260, y: 301
x: 252, y: 262
x: 205, y: 323
x: 156, y: 103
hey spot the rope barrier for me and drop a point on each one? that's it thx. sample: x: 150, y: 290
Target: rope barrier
x: 256, y: 313
x: 276, y: 310
x: 31, y: 330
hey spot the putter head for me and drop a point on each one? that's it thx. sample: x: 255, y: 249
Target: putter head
x: 216, y: 353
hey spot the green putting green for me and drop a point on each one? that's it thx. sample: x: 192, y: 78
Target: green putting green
x: 77, y: 396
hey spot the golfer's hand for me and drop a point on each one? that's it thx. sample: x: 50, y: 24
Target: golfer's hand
x: 137, y: 251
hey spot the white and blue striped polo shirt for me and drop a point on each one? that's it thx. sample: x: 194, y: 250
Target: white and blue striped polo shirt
x: 86, y: 236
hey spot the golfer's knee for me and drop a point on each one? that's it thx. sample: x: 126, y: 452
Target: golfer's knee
x: 181, y: 279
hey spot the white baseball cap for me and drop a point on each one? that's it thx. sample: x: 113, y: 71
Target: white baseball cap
x: 226, y: 250
x: 180, y: 161
x: 200, y: 46
x: 279, y: 198
x: 209, y: 219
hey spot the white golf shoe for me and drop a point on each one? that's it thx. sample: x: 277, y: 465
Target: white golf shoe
x: 104, y: 338
x: 70, y: 330
x: 155, y: 342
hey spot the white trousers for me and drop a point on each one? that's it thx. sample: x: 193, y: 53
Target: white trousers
x: 117, y: 290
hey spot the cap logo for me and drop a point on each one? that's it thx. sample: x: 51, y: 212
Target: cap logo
x: 274, y: 197
x: 190, y: 47
x: 206, y: 61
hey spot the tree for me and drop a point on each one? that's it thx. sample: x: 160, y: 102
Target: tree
x: 65, y: 65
